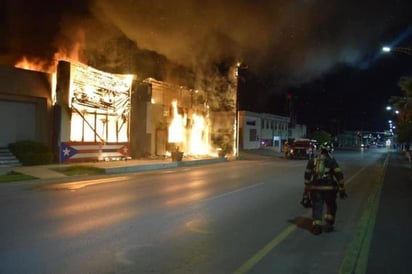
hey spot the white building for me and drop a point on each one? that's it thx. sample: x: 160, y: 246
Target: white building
x: 298, y: 131
x: 258, y: 130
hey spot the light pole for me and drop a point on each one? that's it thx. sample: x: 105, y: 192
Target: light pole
x: 239, y: 67
x: 237, y: 135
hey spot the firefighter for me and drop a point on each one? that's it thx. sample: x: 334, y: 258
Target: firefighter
x: 323, y: 181
x: 285, y: 149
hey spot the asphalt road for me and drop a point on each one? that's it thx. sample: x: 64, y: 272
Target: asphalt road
x: 235, y: 217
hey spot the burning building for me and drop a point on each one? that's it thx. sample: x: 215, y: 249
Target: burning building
x: 178, y: 119
x: 87, y: 114
x: 105, y: 116
x: 93, y: 113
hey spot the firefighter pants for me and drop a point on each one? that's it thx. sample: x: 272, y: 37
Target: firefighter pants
x: 319, y: 199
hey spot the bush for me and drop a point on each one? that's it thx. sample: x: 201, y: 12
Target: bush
x: 80, y: 170
x: 32, y: 153
x: 13, y: 176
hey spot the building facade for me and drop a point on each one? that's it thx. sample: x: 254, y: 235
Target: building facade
x: 86, y: 114
x: 92, y: 112
x: 259, y: 130
x: 177, y: 118
x: 297, y: 131
x: 25, y: 106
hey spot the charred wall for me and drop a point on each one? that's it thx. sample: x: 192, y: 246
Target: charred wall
x: 26, y: 100
x: 140, y: 136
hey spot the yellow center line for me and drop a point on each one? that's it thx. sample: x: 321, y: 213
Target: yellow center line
x: 265, y: 250
x: 255, y: 259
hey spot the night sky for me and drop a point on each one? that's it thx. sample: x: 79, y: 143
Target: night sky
x: 320, y: 61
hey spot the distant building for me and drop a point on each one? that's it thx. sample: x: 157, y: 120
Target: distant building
x: 349, y: 139
x: 356, y: 139
x: 249, y: 130
x: 259, y: 130
x: 297, y: 131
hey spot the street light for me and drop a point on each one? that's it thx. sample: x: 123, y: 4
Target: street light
x: 405, y: 50
x: 394, y: 111
x: 391, y: 123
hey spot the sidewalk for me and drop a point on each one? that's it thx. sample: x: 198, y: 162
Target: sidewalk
x: 125, y: 166
x: 392, y: 238
x: 112, y: 167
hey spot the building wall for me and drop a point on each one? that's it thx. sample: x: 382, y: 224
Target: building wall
x: 349, y: 139
x: 157, y: 126
x: 262, y: 130
x: 222, y: 130
x: 274, y: 126
x: 250, y: 130
x: 218, y: 133
x: 25, y: 103
x: 140, y: 132
x: 93, y: 113
x: 27, y: 112
x: 298, y: 131
x: 62, y: 107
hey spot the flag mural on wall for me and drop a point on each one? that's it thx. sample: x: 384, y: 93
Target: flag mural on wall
x: 75, y: 151
x: 99, y: 105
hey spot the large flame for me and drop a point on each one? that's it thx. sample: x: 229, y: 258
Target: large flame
x: 199, y: 144
x: 34, y: 64
x: 50, y: 66
x: 176, y: 127
x: 191, y: 138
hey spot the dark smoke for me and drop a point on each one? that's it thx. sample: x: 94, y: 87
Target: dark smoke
x: 298, y: 40
x: 284, y: 42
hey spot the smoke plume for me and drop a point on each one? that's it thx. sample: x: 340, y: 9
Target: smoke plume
x: 298, y: 40
x: 288, y: 41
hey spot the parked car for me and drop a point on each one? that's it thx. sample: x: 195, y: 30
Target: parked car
x: 301, y: 149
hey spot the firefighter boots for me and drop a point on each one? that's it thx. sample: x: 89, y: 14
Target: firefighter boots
x: 316, y: 229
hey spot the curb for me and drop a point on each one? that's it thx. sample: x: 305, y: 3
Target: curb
x: 149, y: 167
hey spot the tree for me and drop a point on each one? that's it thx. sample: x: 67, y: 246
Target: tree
x: 321, y: 136
x: 404, y: 105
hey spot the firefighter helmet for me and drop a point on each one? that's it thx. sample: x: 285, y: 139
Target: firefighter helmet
x: 326, y: 146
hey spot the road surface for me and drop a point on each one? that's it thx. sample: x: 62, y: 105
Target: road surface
x: 239, y: 216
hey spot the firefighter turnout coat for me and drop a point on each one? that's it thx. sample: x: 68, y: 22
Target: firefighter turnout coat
x: 323, y: 173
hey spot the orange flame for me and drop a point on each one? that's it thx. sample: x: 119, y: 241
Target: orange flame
x: 177, y: 126
x: 193, y: 137
x: 49, y: 66
x: 35, y: 64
